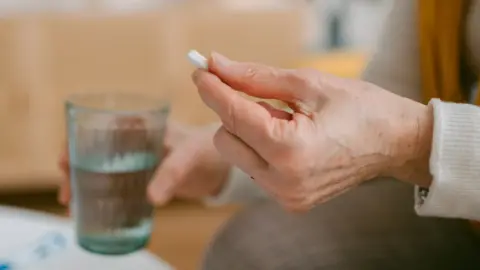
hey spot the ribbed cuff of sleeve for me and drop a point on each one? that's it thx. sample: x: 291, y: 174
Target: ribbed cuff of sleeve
x: 454, y: 163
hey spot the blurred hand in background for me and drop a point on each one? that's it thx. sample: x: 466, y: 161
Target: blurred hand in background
x: 191, y: 169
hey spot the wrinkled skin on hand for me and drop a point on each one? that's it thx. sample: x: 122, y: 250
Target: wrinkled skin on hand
x: 192, y: 167
x: 342, y: 132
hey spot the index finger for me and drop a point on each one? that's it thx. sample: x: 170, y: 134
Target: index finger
x: 246, y: 119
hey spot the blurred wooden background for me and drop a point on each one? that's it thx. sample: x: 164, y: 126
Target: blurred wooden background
x: 45, y: 57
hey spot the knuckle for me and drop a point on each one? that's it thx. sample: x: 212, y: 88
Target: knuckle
x: 229, y: 119
x: 304, y: 76
x: 296, y: 207
x: 295, y: 197
x: 304, y: 206
x: 281, y: 135
x: 256, y: 72
x: 301, y: 201
x: 252, y: 72
x: 307, y: 73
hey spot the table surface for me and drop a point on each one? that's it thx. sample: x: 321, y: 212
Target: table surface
x: 182, y: 230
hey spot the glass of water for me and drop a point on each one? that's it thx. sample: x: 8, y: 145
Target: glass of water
x: 115, y: 143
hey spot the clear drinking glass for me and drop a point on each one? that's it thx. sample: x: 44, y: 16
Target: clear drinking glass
x: 115, y: 143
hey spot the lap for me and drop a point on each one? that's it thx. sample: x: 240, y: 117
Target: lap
x: 371, y: 227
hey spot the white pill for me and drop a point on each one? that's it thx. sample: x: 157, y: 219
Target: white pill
x: 197, y: 59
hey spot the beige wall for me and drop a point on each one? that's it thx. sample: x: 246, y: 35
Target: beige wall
x: 43, y: 58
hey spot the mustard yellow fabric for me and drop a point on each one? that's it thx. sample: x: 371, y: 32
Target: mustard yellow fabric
x: 441, y: 37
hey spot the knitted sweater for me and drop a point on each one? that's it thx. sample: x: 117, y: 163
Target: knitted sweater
x: 455, y: 158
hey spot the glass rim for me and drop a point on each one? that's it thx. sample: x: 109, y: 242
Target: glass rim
x: 153, y: 104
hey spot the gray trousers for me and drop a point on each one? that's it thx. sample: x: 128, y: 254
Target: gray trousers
x: 371, y: 227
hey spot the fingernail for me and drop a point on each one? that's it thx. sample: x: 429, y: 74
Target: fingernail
x: 221, y: 60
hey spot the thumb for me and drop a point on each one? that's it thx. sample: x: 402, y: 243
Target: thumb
x: 170, y: 175
x: 264, y: 81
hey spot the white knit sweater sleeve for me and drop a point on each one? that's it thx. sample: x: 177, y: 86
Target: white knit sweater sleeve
x: 454, y: 163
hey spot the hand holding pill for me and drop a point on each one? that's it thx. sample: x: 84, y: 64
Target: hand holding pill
x: 329, y: 144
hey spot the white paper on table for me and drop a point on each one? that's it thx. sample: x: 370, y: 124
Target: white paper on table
x: 19, y: 228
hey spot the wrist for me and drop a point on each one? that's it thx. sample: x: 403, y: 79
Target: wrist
x: 412, y: 144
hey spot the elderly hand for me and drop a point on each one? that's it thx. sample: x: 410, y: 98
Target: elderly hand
x: 341, y: 133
